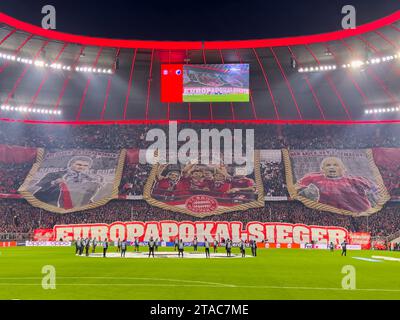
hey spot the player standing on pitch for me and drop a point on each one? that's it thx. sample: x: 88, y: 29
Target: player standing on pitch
x: 344, y: 248
x: 228, y: 247
x: 136, y: 245
x: 81, y: 246
x: 77, y: 246
x: 195, y: 244
x: 94, y: 245
x: 215, y: 245
x: 105, y: 247
x: 156, y: 245
x: 87, y: 247
x: 176, y: 244
x: 254, y: 248
x: 123, y: 248
x: 151, y: 247
x: 243, y: 248
x: 180, y: 248
x: 331, y: 246
x: 207, y: 247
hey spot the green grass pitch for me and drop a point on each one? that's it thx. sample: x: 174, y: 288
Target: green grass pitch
x: 273, y: 274
x: 217, y: 98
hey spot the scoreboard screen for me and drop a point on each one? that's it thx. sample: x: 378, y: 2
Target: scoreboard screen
x: 205, y: 83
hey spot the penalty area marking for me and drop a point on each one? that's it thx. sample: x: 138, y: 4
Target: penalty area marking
x: 386, y: 258
x: 367, y: 259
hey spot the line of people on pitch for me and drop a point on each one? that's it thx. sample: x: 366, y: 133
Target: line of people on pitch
x: 82, y: 244
x: 87, y: 243
x: 179, y: 246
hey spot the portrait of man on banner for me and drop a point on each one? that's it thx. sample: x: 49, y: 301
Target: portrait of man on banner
x: 341, y: 181
x: 73, y: 187
x: 73, y: 180
x: 334, y: 187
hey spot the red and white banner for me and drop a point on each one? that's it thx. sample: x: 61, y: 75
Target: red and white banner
x: 282, y: 233
x: 280, y: 246
x: 360, y: 238
x: 8, y: 244
x: 16, y: 154
x: 324, y: 246
x: 43, y: 235
x: 47, y: 244
x: 379, y: 245
x: 10, y: 196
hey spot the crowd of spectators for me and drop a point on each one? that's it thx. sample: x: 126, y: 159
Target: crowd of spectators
x: 115, y: 137
x: 19, y: 216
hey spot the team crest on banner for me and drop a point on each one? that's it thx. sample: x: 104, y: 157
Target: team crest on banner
x: 202, y: 190
x: 73, y: 180
x: 341, y: 181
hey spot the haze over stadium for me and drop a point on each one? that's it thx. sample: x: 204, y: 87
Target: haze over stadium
x: 282, y: 144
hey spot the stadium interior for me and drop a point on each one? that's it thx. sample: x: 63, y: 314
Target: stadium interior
x: 64, y: 92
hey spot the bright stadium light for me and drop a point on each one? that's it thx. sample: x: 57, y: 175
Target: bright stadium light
x: 317, y: 68
x: 356, y: 64
x: 39, y: 63
x: 382, y: 110
x: 25, y: 109
x: 54, y: 66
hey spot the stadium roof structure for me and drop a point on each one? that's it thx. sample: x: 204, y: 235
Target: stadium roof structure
x: 348, y: 76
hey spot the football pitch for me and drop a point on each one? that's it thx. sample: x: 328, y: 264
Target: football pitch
x: 273, y: 274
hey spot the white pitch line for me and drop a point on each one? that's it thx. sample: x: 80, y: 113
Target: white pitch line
x: 155, y: 279
x: 129, y: 278
x: 116, y: 284
x: 316, y: 288
x: 386, y: 258
x: 205, y: 285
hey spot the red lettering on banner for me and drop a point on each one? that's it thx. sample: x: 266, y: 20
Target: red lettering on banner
x: 169, y: 230
x: 135, y: 230
x: 282, y: 233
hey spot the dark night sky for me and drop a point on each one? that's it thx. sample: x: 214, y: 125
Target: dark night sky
x: 198, y: 20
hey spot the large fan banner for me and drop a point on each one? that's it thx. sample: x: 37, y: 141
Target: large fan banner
x: 273, y: 175
x: 270, y: 232
x: 73, y: 180
x: 203, y: 190
x: 388, y: 162
x: 340, y: 181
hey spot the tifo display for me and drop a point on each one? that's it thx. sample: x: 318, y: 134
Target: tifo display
x: 350, y: 182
